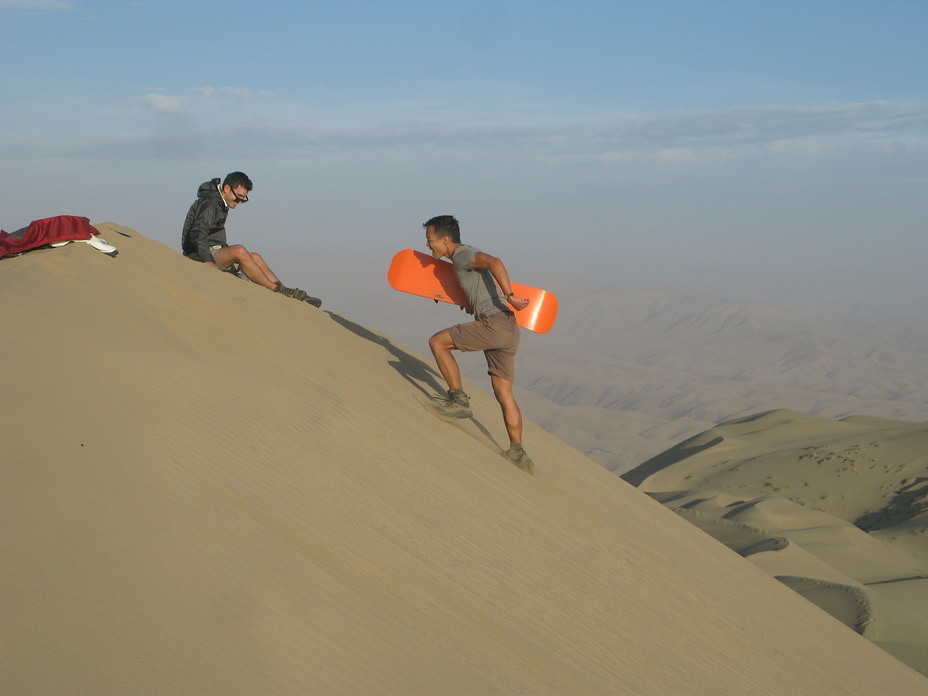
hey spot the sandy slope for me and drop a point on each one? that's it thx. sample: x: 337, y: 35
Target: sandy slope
x: 798, y: 494
x: 209, y: 488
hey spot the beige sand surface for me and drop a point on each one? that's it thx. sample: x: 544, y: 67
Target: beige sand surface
x: 208, y: 488
x: 818, y: 485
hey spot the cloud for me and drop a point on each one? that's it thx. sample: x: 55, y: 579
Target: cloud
x: 663, y: 136
x: 239, y: 93
x: 261, y: 123
x: 38, y: 6
x: 766, y: 126
x: 242, y: 93
x: 163, y: 103
x: 259, y: 116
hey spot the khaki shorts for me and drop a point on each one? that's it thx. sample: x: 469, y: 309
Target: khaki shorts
x: 229, y: 269
x: 497, y: 336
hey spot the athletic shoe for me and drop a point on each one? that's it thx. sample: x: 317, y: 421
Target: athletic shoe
x: 314, y: 301
x: 455, y: 405
x: 520, y: 458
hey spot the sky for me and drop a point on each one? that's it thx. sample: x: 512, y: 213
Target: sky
x: 764, y: 145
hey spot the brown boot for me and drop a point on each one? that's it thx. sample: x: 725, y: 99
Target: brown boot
x: 455, y: 405
x: 518, y: 456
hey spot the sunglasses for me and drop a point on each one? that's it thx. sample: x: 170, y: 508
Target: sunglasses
x: 238, y: 198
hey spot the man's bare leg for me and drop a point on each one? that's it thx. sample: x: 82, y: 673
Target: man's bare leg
x: 260, y: 263
x: 257, y: 271
x: 252, y: 265
x: 512, y: 416
x: 441, y: 346
x: 457, y: 404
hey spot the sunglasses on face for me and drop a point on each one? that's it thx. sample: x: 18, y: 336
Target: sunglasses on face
x: 238, y: 198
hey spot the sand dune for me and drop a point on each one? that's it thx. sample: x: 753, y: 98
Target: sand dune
x: 208, y: 488
x: 798, y: 494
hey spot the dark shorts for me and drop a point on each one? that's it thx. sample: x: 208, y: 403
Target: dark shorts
x: 497, y: 336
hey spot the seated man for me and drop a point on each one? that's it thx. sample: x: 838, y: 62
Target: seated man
x: 204, y: 236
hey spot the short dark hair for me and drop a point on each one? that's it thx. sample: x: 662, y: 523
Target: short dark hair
x: 445, y: 226
x: 236, y: 179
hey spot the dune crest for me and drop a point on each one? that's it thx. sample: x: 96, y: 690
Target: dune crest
x: 210, y: 488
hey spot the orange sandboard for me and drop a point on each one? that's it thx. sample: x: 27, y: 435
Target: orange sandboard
x: 419, y: 274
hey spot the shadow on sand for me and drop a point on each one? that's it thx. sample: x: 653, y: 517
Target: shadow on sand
x: 412, y: 369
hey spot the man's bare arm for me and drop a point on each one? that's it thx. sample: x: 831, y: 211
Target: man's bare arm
x: 500, y: 275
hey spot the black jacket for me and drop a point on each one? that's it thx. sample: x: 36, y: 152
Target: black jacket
x: 205, y: 225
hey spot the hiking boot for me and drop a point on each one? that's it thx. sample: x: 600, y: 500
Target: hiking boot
x: 519, y: 457
x: 314, y: 301
x: 455, y: 405
x: 295, y: 293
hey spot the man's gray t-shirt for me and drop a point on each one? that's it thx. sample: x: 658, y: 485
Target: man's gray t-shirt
x: 482, y: 292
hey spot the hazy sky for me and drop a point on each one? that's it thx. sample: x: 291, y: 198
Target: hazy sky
x: 682, y: 141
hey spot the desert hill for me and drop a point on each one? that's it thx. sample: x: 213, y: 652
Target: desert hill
x: 838, y: 510
x: 212, y: 489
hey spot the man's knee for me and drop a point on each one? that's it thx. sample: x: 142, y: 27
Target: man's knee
x: 502, y: 388
x: 441, y: 341
x: 235, y: 253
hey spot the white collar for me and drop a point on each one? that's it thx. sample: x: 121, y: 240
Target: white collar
x: 221, y: 197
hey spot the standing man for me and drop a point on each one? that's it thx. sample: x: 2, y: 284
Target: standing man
x: 486, y: 285
x: 204, y: 236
